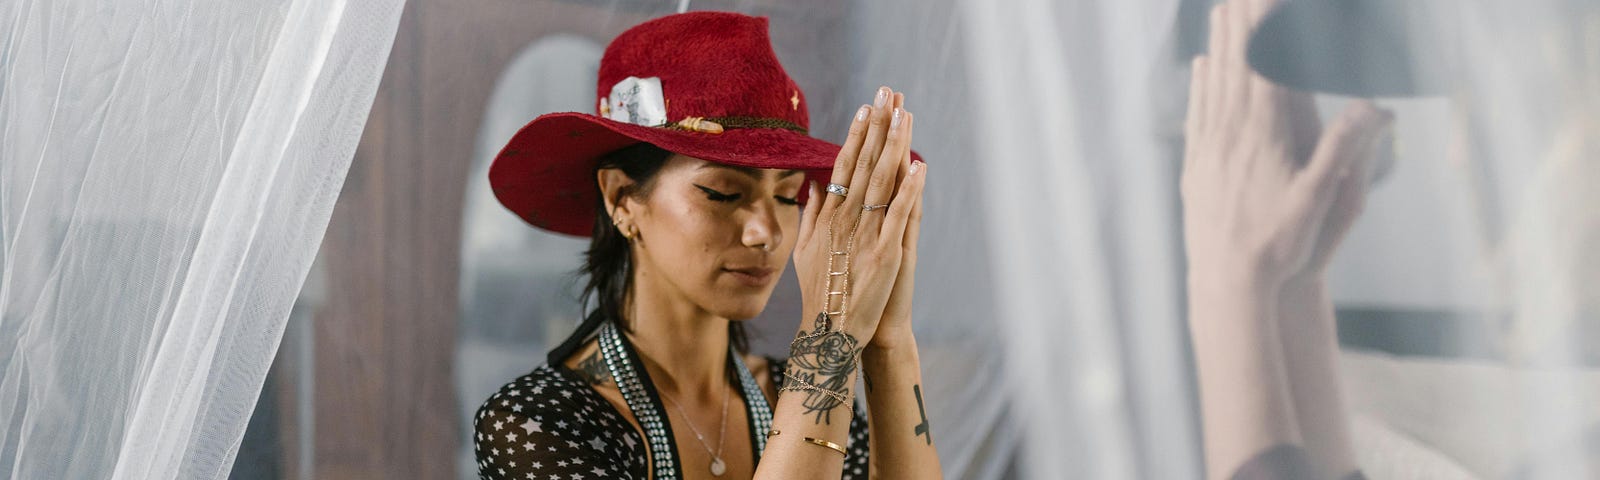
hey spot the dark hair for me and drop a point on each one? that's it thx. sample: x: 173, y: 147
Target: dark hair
x: 608, y: 263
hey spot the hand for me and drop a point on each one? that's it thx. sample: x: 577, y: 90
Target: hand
x: 1251, y: 211
x: 895, y: 329
x: 874, y: 164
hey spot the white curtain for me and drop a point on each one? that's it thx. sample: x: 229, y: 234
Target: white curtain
x: 1075, y: 126
x: 1492, y: 214
x: 167, y: 170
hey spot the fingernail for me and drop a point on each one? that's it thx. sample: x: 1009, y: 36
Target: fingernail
x: 882, y: 98
x: 916, y: 166
x: 894, y: 122
x: 861, y: 113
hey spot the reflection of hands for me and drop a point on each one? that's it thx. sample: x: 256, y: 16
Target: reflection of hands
x: 1251, y: 211
x: 874, y: 165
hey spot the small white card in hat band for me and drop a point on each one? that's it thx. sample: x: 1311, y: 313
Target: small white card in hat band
x: 636, y: 100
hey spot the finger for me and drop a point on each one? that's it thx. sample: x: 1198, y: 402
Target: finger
x: 1216, y: 42
x: 904, y: 282
x: 913, y: 231
x: 1239, y: 28
x: 880, y: 187
x: 1348, y: 201
x: 900, y: 102
x: 871, y: 149
x: 845, y: 164
x: 1232, y: 84
x: 808, y: 216
x: 1193, y: 122
x: 1217, y: 31
x: 1338, y: 154
x: 899, y: 216
x: 877, y: 135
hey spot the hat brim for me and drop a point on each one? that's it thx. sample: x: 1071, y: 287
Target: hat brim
x: 1368, y: 48
x: 545, y: 173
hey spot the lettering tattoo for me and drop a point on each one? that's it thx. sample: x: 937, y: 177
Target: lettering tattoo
x: 922, y: 428
x: 824, y: 359
x: 593, y: 369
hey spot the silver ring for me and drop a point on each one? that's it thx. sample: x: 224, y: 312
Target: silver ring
x: 868, y: 208
x: 838, y: 189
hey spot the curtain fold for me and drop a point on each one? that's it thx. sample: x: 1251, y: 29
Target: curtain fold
x: 167, y: 170
x: 1075, y: 126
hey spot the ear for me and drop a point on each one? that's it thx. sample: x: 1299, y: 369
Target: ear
x: 614, y: 184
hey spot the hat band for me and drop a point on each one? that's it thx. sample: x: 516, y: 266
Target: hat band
x: 718, y: 124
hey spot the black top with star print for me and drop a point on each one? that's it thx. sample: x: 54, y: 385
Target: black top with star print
x: 551, y: 425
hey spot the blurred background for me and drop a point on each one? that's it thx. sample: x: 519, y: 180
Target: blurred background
x: 1050, y: 304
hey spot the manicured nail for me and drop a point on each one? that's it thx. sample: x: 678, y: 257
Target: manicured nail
x: 916, y: 166
x: 861, y: 113
x: 894, y: 122
x: 882, y: 98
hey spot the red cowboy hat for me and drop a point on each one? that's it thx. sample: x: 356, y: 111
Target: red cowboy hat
x: 701, y: 84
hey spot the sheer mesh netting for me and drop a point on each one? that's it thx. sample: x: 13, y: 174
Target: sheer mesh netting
x: 167, y: 170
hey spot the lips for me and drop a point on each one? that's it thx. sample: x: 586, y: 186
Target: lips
x: 753, y: 276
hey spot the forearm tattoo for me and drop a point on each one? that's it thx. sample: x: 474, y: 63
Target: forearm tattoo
x: 922, y: 428
x: 824, y: 359
x: 593, y: 369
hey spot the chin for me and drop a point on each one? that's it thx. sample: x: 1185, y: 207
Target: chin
x: 741, y: 307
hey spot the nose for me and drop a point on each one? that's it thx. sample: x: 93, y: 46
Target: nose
x: 761, y: 229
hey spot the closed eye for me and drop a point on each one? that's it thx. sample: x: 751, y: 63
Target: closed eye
x: 787, y: 200
x: 717, y: 196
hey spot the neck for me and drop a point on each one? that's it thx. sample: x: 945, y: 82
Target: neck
x: 684, y: 347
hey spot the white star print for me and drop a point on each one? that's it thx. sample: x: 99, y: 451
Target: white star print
x: 585, y: 431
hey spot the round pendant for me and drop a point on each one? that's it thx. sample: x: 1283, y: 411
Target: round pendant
x: 718, y: 468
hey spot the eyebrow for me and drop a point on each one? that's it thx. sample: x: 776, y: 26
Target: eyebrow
x: 749, y: 171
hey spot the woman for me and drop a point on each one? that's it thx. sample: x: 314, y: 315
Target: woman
x: 690, y: 185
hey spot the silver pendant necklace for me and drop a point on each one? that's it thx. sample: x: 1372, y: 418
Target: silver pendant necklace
x: 625, y: 368
x: 717, y: 466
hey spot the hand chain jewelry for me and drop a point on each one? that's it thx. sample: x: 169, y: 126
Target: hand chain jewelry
x: 843, y: 277
x: 797, y: 384
x: 834, y: 321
